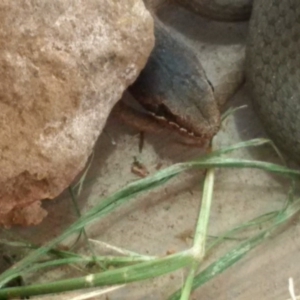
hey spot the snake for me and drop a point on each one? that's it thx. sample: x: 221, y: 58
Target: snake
x: 272, y: 71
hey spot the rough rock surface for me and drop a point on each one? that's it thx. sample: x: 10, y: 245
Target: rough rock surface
x: 63, y: 65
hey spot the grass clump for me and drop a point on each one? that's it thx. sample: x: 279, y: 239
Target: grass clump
x: 134, y: 267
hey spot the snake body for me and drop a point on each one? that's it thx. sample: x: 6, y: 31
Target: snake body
x: 222, y: 10
x: 273, y: 69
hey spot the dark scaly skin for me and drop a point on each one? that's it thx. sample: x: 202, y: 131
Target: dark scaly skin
x: 174, y: 88
x: 222, y: 10
x: 273, y: 70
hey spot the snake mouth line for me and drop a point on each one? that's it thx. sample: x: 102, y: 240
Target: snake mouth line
x: 174, y: 125
x: 164, y: 115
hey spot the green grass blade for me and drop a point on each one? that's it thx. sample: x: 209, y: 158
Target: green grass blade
x: 252, y: 223
x: 115, y: 261
x: 237, y: 253
x: 138, y: 272
x: 102, y: 209
x: 241, y: 145
x: 231, y: 111
x: 200, y: 233
x: 124, y: 195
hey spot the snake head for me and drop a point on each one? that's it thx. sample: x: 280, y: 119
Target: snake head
x: 174, y: 89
